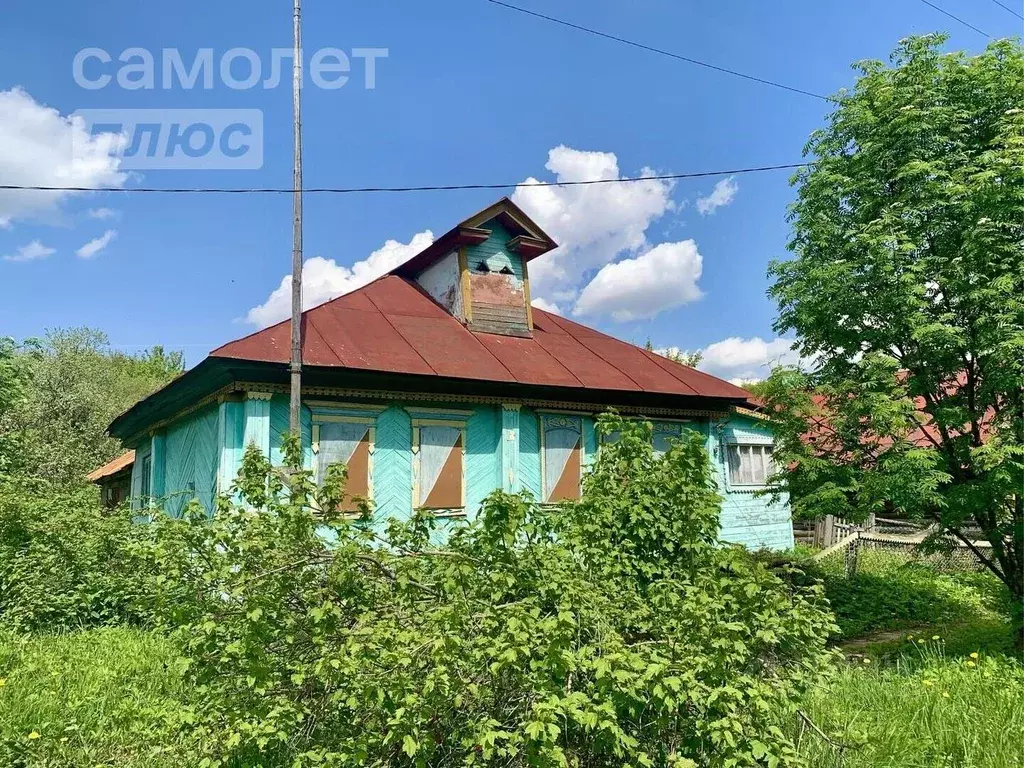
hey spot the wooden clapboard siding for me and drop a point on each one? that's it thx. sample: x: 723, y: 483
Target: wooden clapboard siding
x: 191, y: 459
x: 493, y: 251
x: 230, y: 441
x: 529, y: 452
x: 498, y: 302
x: 280, y: 416
x: 483, y: 455
x: 500, y: 318
x: 748, y: 518
x: 201, y: 450
x: 589, y: 440
x: 392, y: 464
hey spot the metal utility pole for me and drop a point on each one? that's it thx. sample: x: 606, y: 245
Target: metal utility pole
x: 294, y: 414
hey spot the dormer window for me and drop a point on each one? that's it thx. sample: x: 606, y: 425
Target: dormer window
x: 478, y: 270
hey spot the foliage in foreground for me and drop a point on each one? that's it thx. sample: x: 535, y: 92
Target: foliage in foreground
x: 109, y: 697
x: 103, y: 697
x: 615, y: 631
x: 926, y: 710
x: 66, y: 562
x: 906, y: 290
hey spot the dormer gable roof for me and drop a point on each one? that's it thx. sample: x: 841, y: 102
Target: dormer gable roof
x: 528, y: 239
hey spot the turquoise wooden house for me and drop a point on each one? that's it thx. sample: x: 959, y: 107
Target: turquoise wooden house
x: 438, y: 383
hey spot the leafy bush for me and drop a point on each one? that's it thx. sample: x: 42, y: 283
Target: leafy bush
x: 65, y: 561
x: 615, y: 631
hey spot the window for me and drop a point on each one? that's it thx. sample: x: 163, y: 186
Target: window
x: 662, y: 436
x: 439, y: 448
x: 145, y: 475
x: 750, y: 464
x: 562, y: 464
x: 347, y: 441
x: 665, y: 433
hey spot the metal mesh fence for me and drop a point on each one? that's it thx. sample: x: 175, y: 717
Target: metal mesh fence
x: 864, y: 550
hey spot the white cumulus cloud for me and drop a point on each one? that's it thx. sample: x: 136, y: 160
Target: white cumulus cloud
x: 325, y: 279
x: 31, y: 252
x: 639, y: 288
x: 723, y: 194
x: 102, y: 213
x: 748, y: 360
x: 593, y: 223
x: 547, y: 306
x: 94, y: 246
x: 41, y: 147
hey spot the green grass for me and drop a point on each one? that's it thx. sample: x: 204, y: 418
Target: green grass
x: 891, y: 592
x: 920, y: 711
x: 103, y: 697
x: 929, y: 680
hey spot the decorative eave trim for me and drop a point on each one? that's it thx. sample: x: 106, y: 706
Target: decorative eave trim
x: 471, y: 235
x: 741, y: 411
x: 219, y: 395
x: 230, y: 391
x: 574, y: 407
x: 528, y: 247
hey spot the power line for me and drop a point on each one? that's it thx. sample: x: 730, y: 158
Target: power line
x: 956, y: 18
x: 660, y: 51
x: 429, y: 188
x: 1009, y: 9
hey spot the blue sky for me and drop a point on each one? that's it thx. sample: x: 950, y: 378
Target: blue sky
x: 469, y: 92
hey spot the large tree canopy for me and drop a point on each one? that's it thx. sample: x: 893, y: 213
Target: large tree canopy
x: 906, y: 289
x: 58, y: 394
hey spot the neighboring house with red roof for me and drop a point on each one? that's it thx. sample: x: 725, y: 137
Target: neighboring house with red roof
x: 439, y: 383
x: 115, y: 479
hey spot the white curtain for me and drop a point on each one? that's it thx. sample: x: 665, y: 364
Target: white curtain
x: 559, y: 444
x: 750, y: 464
x: 436, y: 444
x: 338, y: 441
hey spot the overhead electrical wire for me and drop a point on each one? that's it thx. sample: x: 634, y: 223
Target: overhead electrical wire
x: 956, y: 18
x: 660, y: 51
x: 425, y: 188
x: 1009, y: 9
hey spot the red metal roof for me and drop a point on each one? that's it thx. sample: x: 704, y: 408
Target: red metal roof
x: 392, y: 326
x: 112, y: 467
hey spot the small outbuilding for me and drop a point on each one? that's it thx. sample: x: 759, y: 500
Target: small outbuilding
x: 114, y: 479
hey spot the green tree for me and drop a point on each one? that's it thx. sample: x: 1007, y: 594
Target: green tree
x: 71, y: 384
x: 13, y: 379
x: 907, y: 289
x: 682, y: 356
